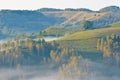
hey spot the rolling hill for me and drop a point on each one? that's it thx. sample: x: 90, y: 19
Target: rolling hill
x: 14, y: 22
x: 86, y: 41
x: 74, y: 17
x: 114, y: 25
x: 23, y: 21
x: 110, y: 8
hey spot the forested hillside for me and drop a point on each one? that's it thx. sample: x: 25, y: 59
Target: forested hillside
x: 18, y: 21
x: 14, y: 22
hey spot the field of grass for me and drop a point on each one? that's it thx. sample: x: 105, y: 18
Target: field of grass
x: 58, y: 31
x: 86, y: 41
x: 115, y: 25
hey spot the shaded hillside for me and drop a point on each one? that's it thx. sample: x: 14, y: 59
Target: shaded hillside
x: 110, y: 8
x: 48, y: 9
x: 66, y: 9
x: 78, y: 9
x: 17, y: 21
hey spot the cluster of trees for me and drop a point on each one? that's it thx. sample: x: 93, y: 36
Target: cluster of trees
x: 79, y: 9
x: 28, y: 51
x: 55, y: 32
x: 109, y: 8
x: 85, y: 24
x: 48, y: 9
x: 61, y: 55
x: 73, y: 69
x: 25, y: 52
x: 70, y: 64
x: 67, y: 9
x: 47, y: 33
x: 110, y: 46
x: 80, y: 25
x: 67, y: 61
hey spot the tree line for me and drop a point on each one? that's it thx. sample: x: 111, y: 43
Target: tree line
x: 110, y: 46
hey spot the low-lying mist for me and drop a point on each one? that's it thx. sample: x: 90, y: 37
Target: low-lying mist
x: 95, y: 71
x: 26, y: 73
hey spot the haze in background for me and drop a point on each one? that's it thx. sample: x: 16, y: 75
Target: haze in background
x: 36, y: 4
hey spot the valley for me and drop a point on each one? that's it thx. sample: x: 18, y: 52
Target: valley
x: 60, y: 44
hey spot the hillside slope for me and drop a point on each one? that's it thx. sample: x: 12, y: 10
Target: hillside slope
x: 74, y: 17
x: 23, y: 21
x: 14, y: 22
x: 110, y: 8
x: 114, y: 25
x: 86, y: 41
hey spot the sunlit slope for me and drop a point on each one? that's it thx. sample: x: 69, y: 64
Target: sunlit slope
x: 76, y: 16
x: 92, y: 33
x: 86, y: 41
x: 72, y: 19
x: 115, y: 25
